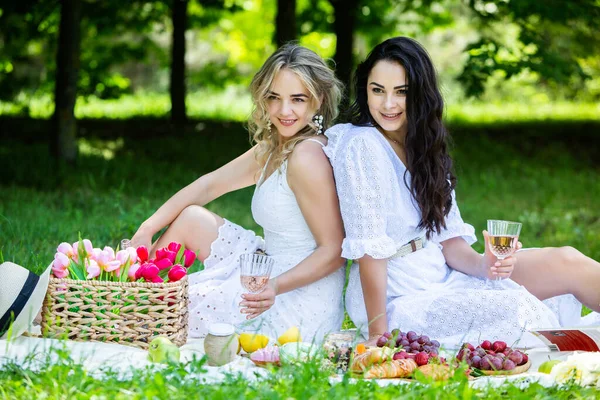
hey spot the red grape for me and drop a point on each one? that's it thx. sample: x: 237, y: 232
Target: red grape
x: 499, y: 346
x: 508, y: 365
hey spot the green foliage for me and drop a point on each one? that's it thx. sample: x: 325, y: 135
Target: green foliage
x: 552, y: 41
x: 65, y: 379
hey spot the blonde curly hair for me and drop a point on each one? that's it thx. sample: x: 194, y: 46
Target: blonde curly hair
x: 318, y: 79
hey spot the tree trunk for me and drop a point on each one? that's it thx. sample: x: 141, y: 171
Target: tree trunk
x: 285, y: 22
x: 345, y: 21
x: 177, y: 88
x: 64, y: 142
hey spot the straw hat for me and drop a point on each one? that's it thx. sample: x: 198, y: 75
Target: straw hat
x: 21, y: 295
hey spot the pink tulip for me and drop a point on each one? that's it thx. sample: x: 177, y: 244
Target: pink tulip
x: 157, y: 279
x: 174, y: 246
x: 133, y: 257
x: 151, y: 271
x: 163, y: 263
x: 110, y: 251
x: 93, y: 269
x: 142, y: 253
x: 75, y: 247
x: 87, y: 244
x: 60, y: 265
x: 66, y: 249
x: 132, y: 273
x: 122, y: 256
x: 96, y: 254
x: 189, y: 257
x: 112, y: 266
x: 176, y: 273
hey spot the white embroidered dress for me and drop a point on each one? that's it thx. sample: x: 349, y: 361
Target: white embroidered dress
x: 423, y: 293
x: 215, y: 292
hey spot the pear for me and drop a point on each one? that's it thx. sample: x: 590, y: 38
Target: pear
x: 546, y: 367
x: 162, y: 350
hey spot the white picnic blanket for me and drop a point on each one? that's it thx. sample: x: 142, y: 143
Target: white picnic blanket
x: 97, y: 358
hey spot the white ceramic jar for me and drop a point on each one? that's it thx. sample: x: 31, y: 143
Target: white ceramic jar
x: 221, y: 344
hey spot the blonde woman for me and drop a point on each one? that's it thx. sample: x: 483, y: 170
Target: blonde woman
x: 295, y: 98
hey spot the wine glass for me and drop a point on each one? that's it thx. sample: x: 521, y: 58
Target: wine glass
x: 255, y: 270
x: 504, y: 236
x: 125, y: 244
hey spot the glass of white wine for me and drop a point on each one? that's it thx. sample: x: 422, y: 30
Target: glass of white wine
x: 255, y: 270
x: 504, y: 236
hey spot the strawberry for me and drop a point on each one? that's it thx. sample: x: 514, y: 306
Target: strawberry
x: 422, y: 358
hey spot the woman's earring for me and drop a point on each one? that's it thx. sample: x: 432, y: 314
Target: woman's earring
x: 318, y: 120
x: 269, y: 125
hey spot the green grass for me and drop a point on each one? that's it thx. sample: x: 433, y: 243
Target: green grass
x: 548, y: 180
x: 234, y: 104
x: 66, y: 380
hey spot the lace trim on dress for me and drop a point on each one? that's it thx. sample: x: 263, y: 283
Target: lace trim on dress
x: 378, y: 248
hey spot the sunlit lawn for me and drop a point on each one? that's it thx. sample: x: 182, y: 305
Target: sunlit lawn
x: 550, y: 184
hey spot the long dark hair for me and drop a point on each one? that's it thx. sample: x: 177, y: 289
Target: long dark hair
x: 426, y: 143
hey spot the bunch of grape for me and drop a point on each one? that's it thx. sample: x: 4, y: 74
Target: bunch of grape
x: 495, y: 356
x: 410, y: 345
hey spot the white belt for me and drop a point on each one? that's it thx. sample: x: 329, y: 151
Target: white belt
x: 410, y: 247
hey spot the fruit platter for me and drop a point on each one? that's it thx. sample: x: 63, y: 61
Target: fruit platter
x: 396, y: 355
x: 493, y: 358
x: 408, y: 355
x: 400, y: 355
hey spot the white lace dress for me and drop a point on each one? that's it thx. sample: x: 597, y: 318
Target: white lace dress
x: 215, y: 292
x: 423, y: 293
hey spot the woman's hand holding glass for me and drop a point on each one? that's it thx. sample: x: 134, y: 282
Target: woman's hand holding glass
x: 255, y: 271
x: 255, y: 304
x: 501, y: 242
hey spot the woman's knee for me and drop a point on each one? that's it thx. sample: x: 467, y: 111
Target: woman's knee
x: 198, y: 216
x: 568, y: 256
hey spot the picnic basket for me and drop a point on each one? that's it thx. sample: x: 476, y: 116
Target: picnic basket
x: 130, y: 313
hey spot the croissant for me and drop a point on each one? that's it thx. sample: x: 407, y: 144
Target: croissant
x: 392, y: 369
x: 373, y: 356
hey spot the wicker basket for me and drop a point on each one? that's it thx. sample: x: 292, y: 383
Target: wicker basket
x: 130, y: 313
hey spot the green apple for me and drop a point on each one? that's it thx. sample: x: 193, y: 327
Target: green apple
x: 162, y: 350
x: 546, y: 366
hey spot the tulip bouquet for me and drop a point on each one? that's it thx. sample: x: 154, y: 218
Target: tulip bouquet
x: 119, y: 295
x: 81, y: 261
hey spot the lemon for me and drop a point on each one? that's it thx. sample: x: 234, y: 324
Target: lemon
x: 291, y: 335
x: 546, y: 367
x: 251, y: 342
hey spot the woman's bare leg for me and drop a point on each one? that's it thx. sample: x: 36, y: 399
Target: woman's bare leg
x: 554, y: 271
x: 196, y: 228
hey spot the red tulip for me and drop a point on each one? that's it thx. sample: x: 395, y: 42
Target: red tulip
x: 163, y: 263
x: 174, y: 246
x: 189, y: 257
x: 161, y: 253
x: 176, y: 273
x: 150, y: 272
x: 142, y: 253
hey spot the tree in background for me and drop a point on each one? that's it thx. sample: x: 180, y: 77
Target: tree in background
x: 555, y: 40
x: 177, y: 87
x: 285, y: 22
x: 63, y: 144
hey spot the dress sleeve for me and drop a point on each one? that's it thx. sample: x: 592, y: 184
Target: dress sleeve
x: 455, y: 226
x: 364, y: 175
